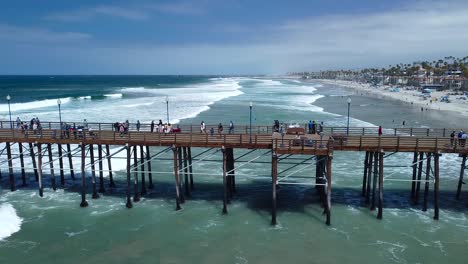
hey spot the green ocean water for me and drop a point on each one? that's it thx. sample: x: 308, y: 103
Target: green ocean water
x: 54, y: 229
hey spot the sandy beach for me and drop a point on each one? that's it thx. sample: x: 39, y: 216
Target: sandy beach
x: 408, y: 96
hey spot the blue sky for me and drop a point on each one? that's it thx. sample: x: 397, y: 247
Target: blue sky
x: 224, y: 37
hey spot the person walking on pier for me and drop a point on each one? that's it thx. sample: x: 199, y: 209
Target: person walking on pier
x: 212, y: 131
x: 220, y: 128
x: 231, y: 127
x: 310, y: 126
x: 380, y: 130
x: 138, y: 125
x: 202, y: 127
x: 18, y: 122
x: 452, y: 138
x: 152, y: 126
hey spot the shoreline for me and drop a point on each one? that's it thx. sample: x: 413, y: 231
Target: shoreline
x: 406, y: 96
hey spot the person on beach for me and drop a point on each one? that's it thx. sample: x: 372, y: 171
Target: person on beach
x: 231, y: 127
x: 220, y: 128
x: 202, y: 127
x: 310, y: 126
x: 380, y: 130
x: 152, y: 126
x: 138, y: 125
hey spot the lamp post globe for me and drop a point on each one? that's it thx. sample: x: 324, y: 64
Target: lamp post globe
x: 59, y: 102
x: 167, y: 108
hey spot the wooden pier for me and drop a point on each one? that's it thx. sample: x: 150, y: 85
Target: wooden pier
x: 427, y: 144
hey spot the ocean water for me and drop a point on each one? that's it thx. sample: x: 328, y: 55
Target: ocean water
x: 54, y: 229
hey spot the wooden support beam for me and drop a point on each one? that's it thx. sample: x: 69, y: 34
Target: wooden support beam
x: 142, y: 169
x: 39, y: 169
x: 62, y: 175
x: 418, y: 183
x: 136, y: 194
x: 460, y: 179
x: 329, y: 182
x: 413, y: 183
x: 176, y: 176
x: 364, y: 178
x: 426, y: 184
x: 83, y: 203
x: 374, y: 180
x: 436, y: 186
x: 381, y: 168
x: 190, y: 168
x: 150, y: 175
x: 109, y: 166
x: 101, y: 172
x: 70, y: 162
x: 23, y: 171
x: 10, y: 168
x: 186, y: 174
x: 224, y: 181
x: 369, y: 177
x: 230, y: 169
x: 33, y: 158
x: 274, y: 177
x: 51, y: 165
x: 129, y: 155
x: 180, y: 165
x: 93, y: 171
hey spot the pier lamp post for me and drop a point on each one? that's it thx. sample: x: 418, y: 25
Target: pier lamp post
x: 59, y: 102
x: 349, y: 105
x: 250, y: 141
x: 167, y: 108
x: 8, y: 97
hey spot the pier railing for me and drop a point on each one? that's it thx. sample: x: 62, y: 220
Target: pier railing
x: 246, y: 129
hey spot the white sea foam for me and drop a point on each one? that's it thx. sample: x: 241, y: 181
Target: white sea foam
x: 10, y: 222
x: 33, y: 105
x: 115, y: 95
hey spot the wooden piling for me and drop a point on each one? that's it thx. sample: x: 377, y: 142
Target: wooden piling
x: 109, y: 167
x: 190, y: 168
x: 176, y: 176
x: 23, y: 171
x: 274, y: 177
x: 180, y: 165
x: 329, y: 181
x: 460, y: 179
x: 10, y: 168
x: 381, y: 168
x: 418, y: 183
x: 83, y: 203
x: 426, y: 184
x: 51, y: 165
x: 364, y: 178
x: 413, y: 183
x: 225, y: 197
x: 142, y: 171
x: 39, y: 169
x: 93, y: 171
x: 436, y: 186
x: 129, y: 201
x: 33, y: 158
x: 369, y: 177
x: 186, y: 173
x: 150, y: 175
x: 374, y: 180
x: 230, y: 171
x: 62, y: 175
x: 101, y: 170
x: 70, y: 162
x: 136, y: 195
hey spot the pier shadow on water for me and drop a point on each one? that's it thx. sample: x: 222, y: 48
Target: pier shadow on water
x: 256, y: 194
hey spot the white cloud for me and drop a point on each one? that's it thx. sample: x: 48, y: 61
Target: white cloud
x: 90, y: 13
